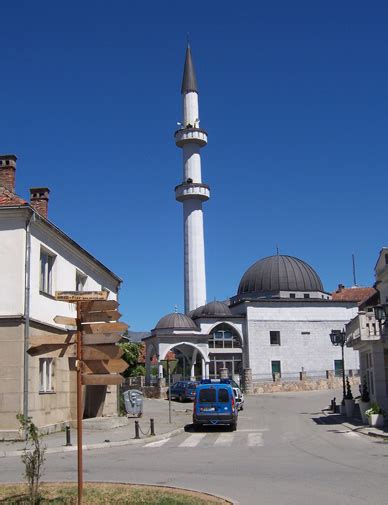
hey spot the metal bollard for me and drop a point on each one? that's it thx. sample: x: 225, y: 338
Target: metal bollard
x: 68, y: 441
x: 137, y: 433
x: 333, y: 405
x: 152, y: 427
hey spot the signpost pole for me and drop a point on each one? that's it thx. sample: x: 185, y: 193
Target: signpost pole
x: 169, y: 391
x: 79, y: 404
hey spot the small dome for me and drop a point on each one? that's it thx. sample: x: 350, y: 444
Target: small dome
x: 176, y: 321
x: 279, y: 273
x: 214, y: 308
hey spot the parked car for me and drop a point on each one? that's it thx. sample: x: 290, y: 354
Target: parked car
x: 239, y: 397
x: 215, y: 404
x: 183, y: 390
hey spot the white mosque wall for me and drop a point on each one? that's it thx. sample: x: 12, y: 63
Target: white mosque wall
x: 304, y: 338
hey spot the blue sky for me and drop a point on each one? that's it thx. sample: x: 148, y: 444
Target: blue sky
x: 294, y: 96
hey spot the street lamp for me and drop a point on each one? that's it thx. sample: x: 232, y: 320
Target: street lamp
x: 338, y: 337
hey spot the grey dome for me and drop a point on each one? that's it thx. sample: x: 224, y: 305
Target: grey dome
x: 214, y: 308
x: 279, y: 273
x: 177, y: 321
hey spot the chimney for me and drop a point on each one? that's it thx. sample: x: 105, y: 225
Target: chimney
x: 340, y: 288
x: 39, y: 198
x: 7, y: 171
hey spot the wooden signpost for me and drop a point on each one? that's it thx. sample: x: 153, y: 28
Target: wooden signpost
x: 92, y: 343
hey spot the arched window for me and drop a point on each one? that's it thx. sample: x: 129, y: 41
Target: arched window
x: 223, y: 337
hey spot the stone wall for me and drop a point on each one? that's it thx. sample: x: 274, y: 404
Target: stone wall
x: 302, y: 385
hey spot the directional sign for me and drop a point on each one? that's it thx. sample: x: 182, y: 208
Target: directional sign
x: 104, y: 328
x: 36, y: 340
x: 60, y: 350
x: 102, y: 379
x: 99, y: 317
x: 101, y: 338
x: 94, y: 352
x: 80, y: 296
x: 99, y: 305
x: 105, y: 366
x: 69, y: 321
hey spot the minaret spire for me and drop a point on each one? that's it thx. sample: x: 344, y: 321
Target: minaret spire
x: 192, y: 192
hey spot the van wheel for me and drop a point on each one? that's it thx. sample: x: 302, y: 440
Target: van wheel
x: 233, y: 427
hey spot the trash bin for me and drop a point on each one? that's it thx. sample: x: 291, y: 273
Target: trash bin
x: 133, y: 400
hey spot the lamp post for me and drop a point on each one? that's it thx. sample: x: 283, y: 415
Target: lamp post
x: 381, y: 314
x: 338, y: 337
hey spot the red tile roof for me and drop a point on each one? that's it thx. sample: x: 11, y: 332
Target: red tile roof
x: 7, y: 198
x: 353, y: 294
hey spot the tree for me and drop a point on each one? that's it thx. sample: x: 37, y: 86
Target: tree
x: 132, y: 351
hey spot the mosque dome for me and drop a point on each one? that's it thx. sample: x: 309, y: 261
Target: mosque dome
x: 214, y: 308
x: 176, y: 321
x: 279, y: 273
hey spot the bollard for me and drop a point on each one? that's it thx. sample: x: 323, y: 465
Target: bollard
x: 152, y: 427
x: 68, y: 441
x: 333, y: 405
x: 137, y: 434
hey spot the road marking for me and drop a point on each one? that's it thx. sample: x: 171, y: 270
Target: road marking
x: 224, y: 439
x: 192, y: 440
x: 255, y: 439
x: 158, y: 443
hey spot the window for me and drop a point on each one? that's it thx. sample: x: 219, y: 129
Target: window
x: 46, y: 271
x: 80, y: 281
x: 369, y: 373
x: 305, y: 333
x: 46, y: 368
x: 207, y: 395
x: 224, y: 338
x: 306, y: 295
x: 292, y: 295
x: 338, y: 367
x: 223, y: 395
x: 274, y: 337
x: 275, y: 366
x: 386, y: 259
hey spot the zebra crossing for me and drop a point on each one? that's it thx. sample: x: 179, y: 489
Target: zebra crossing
x: 251, y: 438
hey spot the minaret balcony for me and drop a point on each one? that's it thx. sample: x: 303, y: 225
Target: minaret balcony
x: 193, y: 190
x: 186, y: 135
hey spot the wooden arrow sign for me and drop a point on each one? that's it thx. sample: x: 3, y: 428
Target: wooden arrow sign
x: 94, y: 352
x: 101, y: 379
x: 80, y: 296
x: 57, y: 350
x: 69, y: 321
x: 103, y: 316
x: 36, y: 340
x: 101, y: 338
x: 105, y: 366
x: 99, y: 305
x: 105, y: 328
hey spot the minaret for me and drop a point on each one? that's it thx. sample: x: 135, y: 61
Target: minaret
x: 192, y: 192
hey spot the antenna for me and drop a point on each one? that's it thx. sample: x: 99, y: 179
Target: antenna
x: 176, y: 309
x: 354, y: 270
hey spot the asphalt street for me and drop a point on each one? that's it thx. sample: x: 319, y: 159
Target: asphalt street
x: 284, y: 452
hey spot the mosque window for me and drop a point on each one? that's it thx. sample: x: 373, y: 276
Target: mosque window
x: 306, y: 295
x: 276, y: 368
x: 292, y: 295
x: 223, y: 337
x: 274, y: 337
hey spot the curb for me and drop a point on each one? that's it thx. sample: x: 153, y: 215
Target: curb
x: 359, y: 429
x: 103, y: 445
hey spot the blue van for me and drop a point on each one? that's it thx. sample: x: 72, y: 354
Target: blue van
x: 214, y: 404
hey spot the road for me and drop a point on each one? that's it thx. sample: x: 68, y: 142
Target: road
x: 283, y: 452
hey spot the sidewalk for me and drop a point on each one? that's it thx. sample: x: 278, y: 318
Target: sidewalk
x: 104, y: 432
x: 355, y: 424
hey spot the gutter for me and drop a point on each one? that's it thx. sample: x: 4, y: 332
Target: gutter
x: 26, y: 315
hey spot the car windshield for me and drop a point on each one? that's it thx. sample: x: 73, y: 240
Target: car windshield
x: 207, y: 395
x: 191, y: 386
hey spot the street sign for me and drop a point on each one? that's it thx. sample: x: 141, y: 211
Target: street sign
x: 95, y: 306
x: 104, y: 328
x: 101, y: 338
x: 99, y: 317
x: 106, y: 379
x: 55, y: 350
x: 35, y: 340
x: 104, y: 366
x: 80, y: 296
x: 94, y: 352
x: 68, y: 321
x: 169, y: 365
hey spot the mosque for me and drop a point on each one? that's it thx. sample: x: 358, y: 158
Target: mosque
x: 279, y: 321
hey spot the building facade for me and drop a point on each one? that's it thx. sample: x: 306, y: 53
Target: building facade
x: 37, y: 259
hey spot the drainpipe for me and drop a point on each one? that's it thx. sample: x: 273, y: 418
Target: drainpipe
x: 27, y: 282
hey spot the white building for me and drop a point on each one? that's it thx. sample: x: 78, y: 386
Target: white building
x: 37, y: 259
x: 369, y: 336
x: 280, y: 320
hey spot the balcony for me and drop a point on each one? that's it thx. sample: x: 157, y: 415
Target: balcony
x: 363, y: 328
